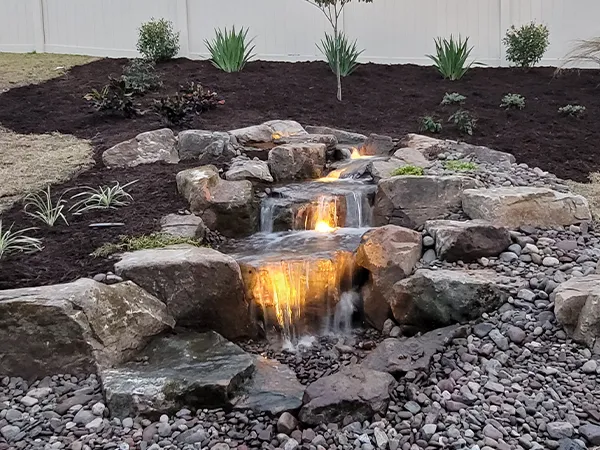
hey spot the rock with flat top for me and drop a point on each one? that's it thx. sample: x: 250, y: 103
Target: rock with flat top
x: 342, y: 136
x: 514, y: 207
x: 268, y: 131
x: 146, y: 148
x: 243, y: 168
x: 412, y: 157
x: 297, y: 161
x: 208, y: 147
x: 377, y: 145
x: 183, y: 225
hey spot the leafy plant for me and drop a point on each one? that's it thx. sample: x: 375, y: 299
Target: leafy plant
x: 104, y: 197
x: 572, y: 110
x: 463, y: 121
x: 408, y: 170
x: 140, y: 76
x: 513, y: 101
x: 115, y: 97
x: 525, y: 46
x: 229, y: 50
x: 340, y: 53
x: 453, y: 99
x: 460, y: 166
x: 174, y: 110
x: 17, y: 241
x: 133, y: 243
x: 41, y: 207
x: 451, y: 56
x: 198, y: 98
x: 429, y: 124
x: 157, y: 41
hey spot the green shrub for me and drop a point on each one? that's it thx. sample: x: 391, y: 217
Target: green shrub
x: 430, y: 125
x: 192, y: 99
x: 513, y: 101
x: 572, y: 110
x: 132, y: 243
x: 460, y: 166
x: 525, y: 46
x: 408, y: 170
x: 17, y: 242
x: 173, y: 109
x: 198, y: 98
x: 453, y: 99
x: 140, y: 76
x: 157, y: 41
x: 451, y: 56
x: 114, y: 97
x: 338, y: 46
x: 463, y: 121
x: 229, y: 50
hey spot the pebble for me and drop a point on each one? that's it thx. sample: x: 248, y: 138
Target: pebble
x: 590, y: 366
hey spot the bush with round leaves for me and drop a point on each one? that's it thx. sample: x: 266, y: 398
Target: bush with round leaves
x: 525, y: 46
x: 157, y: 40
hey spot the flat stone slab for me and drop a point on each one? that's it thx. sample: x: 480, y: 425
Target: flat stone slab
x: 200, y: 370
x: 514, y: 207
x: 145, y: 148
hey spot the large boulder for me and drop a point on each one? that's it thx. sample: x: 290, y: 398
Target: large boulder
x: 225, y: 206
x: 201, y: 287
x: 329, y: 140
x: 145, y: 148
x: 196, y: 370
x: 243, y: 168
x: 353, y: 394
x: 577, y: 308
x: 297, y: 161
x: 75, y: 327
x: 377, y: 145
x: 183, y: 225
x: 519, y: 206
x: 389, y: 253
x: 382, y: 168
x: 399, y: 356
x: 412, y: 157
x: 268, y: 131
x: 208, y: 147
x: 343, y: 137
x: 410, y: 201
x: 467, y: 241
x: 433, y: 298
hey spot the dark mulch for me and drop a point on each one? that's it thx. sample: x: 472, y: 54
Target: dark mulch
x: 378, y: 99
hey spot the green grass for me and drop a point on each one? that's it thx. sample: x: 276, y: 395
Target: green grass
x: 144, y: 242
x: 460, y: 166
x: 408, y: 170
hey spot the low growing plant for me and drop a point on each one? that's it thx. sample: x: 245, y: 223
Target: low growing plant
x: 463, y: 121
x: 104, y: 197
x: 430, y: 125
x: 41, y: 207
x: 113, y: 97
x: 132, y: 243
x: 12, y: 242
x: 173, y: 109
x: 157, y: 41
x: 525, y: 46
x: 338, y: 46
x: 408, y: 170
x: 140, y: 76
x: 572, y: 110
x: 513, y: 101
x: 451, y: 56
x: 460, y: 166
x: 453, y: 99
x: 192, y: 99
x: 230, y: 51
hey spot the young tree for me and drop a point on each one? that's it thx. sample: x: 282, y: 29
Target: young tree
x: 332, y: 9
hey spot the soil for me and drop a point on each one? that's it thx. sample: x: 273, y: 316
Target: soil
x: 377, y: 99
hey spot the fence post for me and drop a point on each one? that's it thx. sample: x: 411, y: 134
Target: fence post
x: 39, y: 26
x: 505, y: 23
x: 182, y: 22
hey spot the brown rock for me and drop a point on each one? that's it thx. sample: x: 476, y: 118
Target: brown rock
x: 145, y: 148
x: 297, y: 161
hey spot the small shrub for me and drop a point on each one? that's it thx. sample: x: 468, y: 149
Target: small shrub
x: 572, y: 110
x: 463, y: 121
x: 229, y: 50
x: 408, y: 170
x: 132, y: 243
x: 12, y: 242
x: 336, y: 46
x: 453, y: 99
x: 451, y: 56
x: 513, y: 101
x: 525, y: 46
x: 173, y: 110
x: 140, y: 76
x: 430, y: 125
x: 192, y: 99
x: 41, y: 207
x: 104, y: 197
x: 157, y: 41
x: 114, y: 97
x: 460, y: 166
x: 198, y: 98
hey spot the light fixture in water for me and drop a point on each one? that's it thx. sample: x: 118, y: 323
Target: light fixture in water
x: 322, y: 215
x: 357, y: 155
x: 323, y: 227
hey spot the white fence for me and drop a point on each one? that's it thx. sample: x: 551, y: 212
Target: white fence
x: 390, y: 31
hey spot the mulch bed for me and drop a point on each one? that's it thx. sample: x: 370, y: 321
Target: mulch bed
x: 377, y: 99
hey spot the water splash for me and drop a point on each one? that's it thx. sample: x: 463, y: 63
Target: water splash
x: 344, y: 310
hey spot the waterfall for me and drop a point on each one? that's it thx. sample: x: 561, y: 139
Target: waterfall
x: 267, y: 208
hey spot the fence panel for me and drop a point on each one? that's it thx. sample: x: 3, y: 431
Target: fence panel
x: 17, y: 25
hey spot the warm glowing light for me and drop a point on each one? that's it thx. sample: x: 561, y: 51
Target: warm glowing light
x: 322, y: 215
x: 323, y: 227
x: 332, y: 176
x: 276, y: 136
x: 355, y: 153
x: 281, y: 134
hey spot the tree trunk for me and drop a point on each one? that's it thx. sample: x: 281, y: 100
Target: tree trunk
x: 337, y: 64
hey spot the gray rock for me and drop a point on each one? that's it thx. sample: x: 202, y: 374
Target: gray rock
x: 590, y: 366
x: 558, y: 430
x: 248, y: 169
x: 429, y: 256
x: 508, y: 256
x: 500, y: 341
x: 343, y: 137
x: 516, y: 335
x: 291, y: 444
x: 265, y: 132
x: 428, y: 241
x: 491, y: 432
x: 297, y: 161
x: 83, y: 417
x: 381, y: 438
x: 208, y: 147
x: 550, y: 261
x: 10, y: 432
x: 377, y: 145
x: 353, y: 394
x: 29, y: 401
x: 146, y: 148
x: 286, y: 423
x: 591, y: 433
x: 183, y: 225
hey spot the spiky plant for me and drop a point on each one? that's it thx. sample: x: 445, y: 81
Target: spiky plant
x: 339, y: 52
x: 17, y: 241
x: 41, y: 207
x: 230, y: 50
x: 451, y: 56
x: 104, y: 197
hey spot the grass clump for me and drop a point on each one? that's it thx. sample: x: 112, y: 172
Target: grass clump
x: 572, y: 110
x: 230, y: 51
x: 430, y: 125
x: 408, y: 170
x: 339, y: 47
x: 453, y: 99
x: 157, y: 41
x: 17, y: 242
x: 513, y: 101
x: 460, y: 166
x: 41, y: 207
x: 144, y: 242
x: 463, y: 121
x: 451, y: 56
x: 104, y: 197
